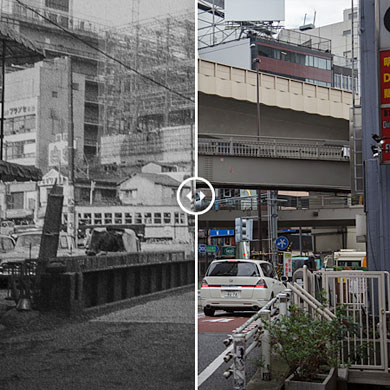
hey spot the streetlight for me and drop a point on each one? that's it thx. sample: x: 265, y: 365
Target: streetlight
x: 257, y: 61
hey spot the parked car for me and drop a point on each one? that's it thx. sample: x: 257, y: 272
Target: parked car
x: 28, y: 244
x: 238, y: 284
x: 7, y: 227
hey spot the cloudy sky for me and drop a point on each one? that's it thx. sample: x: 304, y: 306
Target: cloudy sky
x: 328, y: 11
x: 118, y: 12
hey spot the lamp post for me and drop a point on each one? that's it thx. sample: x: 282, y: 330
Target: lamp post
x: 257, y: 62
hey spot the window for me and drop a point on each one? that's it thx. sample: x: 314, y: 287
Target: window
x: 128, y: 218
x: 315, y: 62
x: 322, y: 63
x: 107, y: 218
x: 118, y: 218
x: 138, y: 217
x: 157, y: 218
x: 328, y: 64
x: 130, y: 194
x: 54, y: 94
x: 98, y: 219
x: 167, y: 218
x: 268, y: 270
x: 16, y: 200
x: 309, y: 61
x: 75, y: 86
x: 87, y: 218
x: 233, y: 268
x: 176, y: 218
x: 182, y: 218
x: 346, y: 32
x: 147, y: 218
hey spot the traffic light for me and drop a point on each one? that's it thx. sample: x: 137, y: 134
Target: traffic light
x: 244, y: 229
x: 238, y: 230
x: 247, y: 229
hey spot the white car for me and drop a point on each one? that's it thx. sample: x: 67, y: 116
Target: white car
x: 245, y: 285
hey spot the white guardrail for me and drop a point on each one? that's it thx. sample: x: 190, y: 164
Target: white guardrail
x: 364, y: 294
x: 273, y: 149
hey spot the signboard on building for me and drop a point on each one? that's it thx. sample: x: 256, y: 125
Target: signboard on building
x: 19, y: 108
x: 384, y: 77
x: 287, y: 264
x: 58, y: 154
x: 254, y: 10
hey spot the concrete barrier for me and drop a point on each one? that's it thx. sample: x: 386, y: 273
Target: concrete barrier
x: 71, y: 285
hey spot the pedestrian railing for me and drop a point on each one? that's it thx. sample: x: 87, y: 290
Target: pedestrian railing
x: 364, y: 295
x: 273, y: 148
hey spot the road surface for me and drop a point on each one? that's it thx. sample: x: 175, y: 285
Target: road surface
x: 148, y: 346
x: 212, y: 331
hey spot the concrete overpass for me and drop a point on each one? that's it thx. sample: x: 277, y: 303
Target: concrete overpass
x: 304, y: 131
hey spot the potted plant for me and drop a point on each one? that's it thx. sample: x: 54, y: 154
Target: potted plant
x: 310, y: 347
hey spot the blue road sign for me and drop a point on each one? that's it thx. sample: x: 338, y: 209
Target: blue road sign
x: 220, y: 232
x: 202, y: 248
x: 281, y: 243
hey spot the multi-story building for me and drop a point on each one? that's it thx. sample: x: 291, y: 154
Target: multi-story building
x: 37, y: 112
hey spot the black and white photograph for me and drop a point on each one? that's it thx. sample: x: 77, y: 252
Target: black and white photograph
x: 97, y: 262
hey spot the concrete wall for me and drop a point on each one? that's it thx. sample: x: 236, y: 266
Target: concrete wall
x: 73, y: 285
x: 229, y: 116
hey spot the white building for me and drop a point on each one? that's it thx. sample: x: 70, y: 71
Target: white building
x: 36, y: 112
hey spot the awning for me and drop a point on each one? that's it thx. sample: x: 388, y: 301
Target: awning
x: 18, y: 49
x: 11, y: 172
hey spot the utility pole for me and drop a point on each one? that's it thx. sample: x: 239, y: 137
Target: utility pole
x: 2, y: 101
x: 71, y: 201
x: 259, y: 235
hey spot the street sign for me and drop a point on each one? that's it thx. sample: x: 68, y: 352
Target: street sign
x: 202, y: 248
x: 228, y: 251
x: 281, y: 243
x: 221, y: 232
x: 211, y: 249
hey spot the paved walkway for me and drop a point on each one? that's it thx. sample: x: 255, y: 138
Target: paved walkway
x: 149, y: 346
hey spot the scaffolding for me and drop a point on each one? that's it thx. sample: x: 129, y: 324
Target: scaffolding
x: 162, y: 50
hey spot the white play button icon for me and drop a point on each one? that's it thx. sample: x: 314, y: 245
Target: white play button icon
x: 198, y: 202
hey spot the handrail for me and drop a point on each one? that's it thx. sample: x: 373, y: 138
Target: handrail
x: 225, y: 136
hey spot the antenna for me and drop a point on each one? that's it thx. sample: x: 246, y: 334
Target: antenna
x: 304, y: 20
x: 314, y: 18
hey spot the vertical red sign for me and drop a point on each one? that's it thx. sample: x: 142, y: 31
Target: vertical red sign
x: 385, y: 103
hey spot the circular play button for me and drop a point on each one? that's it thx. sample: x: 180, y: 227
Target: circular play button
x: 195, y: 196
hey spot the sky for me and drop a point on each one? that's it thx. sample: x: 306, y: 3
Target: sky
x: 328, y: 11
x: 118, y: 12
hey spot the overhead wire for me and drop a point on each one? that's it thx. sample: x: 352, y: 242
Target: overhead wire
x: 75, y: 36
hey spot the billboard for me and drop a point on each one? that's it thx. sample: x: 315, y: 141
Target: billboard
x: 254, y: 10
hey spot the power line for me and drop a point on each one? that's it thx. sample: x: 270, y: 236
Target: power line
x: 106, y: 54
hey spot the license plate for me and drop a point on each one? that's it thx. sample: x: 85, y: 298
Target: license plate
x: 231, y: 294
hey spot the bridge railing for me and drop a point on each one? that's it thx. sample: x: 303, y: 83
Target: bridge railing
x: 267, y: 147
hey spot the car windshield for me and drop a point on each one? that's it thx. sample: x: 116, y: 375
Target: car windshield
x: 233, y: 268
x: 25, y: 241
x: 6, y: 244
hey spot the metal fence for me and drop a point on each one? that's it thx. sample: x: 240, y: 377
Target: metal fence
x: 271, y: 148
x: 364, y: 295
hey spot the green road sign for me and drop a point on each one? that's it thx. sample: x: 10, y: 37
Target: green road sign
x: 228, y: 251
x: 211, y: 249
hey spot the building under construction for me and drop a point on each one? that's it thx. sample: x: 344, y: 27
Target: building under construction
x: 141, y: 120
x: 128, y: 113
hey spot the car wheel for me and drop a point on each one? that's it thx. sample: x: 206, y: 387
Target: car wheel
x: 209, y: 311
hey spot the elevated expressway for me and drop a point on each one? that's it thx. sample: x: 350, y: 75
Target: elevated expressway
x: 304, y: 131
